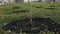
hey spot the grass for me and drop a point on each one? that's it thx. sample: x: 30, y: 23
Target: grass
x: 38, y: 9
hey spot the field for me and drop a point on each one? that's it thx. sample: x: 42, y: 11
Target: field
x: 13, y: 12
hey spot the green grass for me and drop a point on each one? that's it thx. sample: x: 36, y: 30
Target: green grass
x: 6, y: 15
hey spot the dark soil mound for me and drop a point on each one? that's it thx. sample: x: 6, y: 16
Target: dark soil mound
x: 37, y: 6
x: 18, y: 11
x: 37, y: 25
x: 50, y: 8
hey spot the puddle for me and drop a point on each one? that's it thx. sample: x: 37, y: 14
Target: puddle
x: 37, y: 25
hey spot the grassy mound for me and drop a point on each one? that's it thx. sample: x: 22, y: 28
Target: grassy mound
x: 48, y: 10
